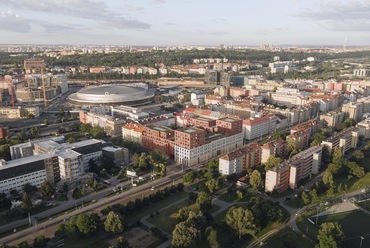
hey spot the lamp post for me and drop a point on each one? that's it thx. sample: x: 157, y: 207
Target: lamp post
x: 317, y: 215
x: 362, y: 238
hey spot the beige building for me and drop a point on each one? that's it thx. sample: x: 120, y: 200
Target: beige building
x: 364, y: 128
x: 332, y: 119
x: 240, y: 160
x: 345, y: 140
x: 112, y: 126
x: 133, y: 132
x: 291, y: 171
x: 19, y: 112
x: 353, y: 110
x: 275, y: 148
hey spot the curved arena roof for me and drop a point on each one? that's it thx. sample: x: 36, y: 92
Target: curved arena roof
x: 129, y: 94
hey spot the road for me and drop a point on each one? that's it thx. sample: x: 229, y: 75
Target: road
x: 174, y: 173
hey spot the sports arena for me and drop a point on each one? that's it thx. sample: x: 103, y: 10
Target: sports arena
x: 128, y: 94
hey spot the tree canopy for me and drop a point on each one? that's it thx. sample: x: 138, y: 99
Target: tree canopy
x: 241, y: 221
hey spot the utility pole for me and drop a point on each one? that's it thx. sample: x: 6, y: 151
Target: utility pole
x: 362, y: 238
x: 29, y: 219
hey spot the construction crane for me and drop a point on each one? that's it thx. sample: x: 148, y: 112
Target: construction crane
x: 11, y: 92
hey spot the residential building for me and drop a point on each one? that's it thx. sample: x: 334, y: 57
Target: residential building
x: 345, y: 140
x: 257, y: 127
x: 4, y: 131
x: 133, y: 132
x: 332, y: 119
x: 158, y: 138
x: 353, y: 110
x: 240, y: 160
x: 361, y: 73
x: 19, y: 112
x: 111, y: 126
x: 364, y: 128
x: 291, y: 171
x: 277, y: 148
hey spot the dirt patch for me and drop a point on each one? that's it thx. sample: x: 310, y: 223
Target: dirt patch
x: 339, y: 208
x: 140, y: 238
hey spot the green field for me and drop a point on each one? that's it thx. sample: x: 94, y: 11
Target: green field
x: 288, y: 238
x: 354, y: 224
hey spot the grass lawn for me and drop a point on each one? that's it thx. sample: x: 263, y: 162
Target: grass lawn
x: 154, y: 207
x: 166, y: 222
x: 354, y: 224
x: 288, y: 238
x: 364, y: 204
x: 234, y: 198
x: 91, y: 241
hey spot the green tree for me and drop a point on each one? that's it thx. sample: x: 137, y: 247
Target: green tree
x: 358, y: 156
x: 189, y: 177
x: 40, y: 242
x: 35, y: 132
x: 204, y: 200
x: 122, y: 242
x: 185, y: 234
x: 24, y: 244
x: 46, y: 189
x: 212, y: 185
x: 241, y: 221
x: 256, y: 180
x: 136, y: 160
x: 97, y: 132
x: 212, y: 165
x: 305, y: 198
x: 158, y: 157
x: 160, y: 169
x: 211, y: 235
x: 5, y: 152
x: 113, y: 223
x: 87, y: 224
x: 272, y: 162
x: 26, y: 202
x: 329, y: 234
x: 313, y: 195
x: 239, y: 194
x: 327, y: 179
x: 182, y: 214
x: 71, y: 227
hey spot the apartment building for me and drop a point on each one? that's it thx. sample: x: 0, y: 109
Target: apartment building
x: 158, y: 138
x: 240, y: 160
x: 205, y: 123
x: 257, y: 127
x: 277, y: 148
x: 112, y: 126
x: 19, y: 112
x: 332, y: 119
x: 4, y: 131
x: 364, y: 128
x: 345, y: 140
x: 291, y: 171
x: 133, y: 132
x: 353, y: 110
x: 299, y: 140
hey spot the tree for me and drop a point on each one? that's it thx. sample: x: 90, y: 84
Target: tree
x: 136, y: 160
x: 272, y: 162
x: 26, y: 202
x: 46, y: 189
x: 305, y: 198
x: 239, y: 194
x: 204, y: 200
x: 211, y: 234
x: 329, y: 233
x: 24, y: 244
x: 182, y: 214
x: 122, y: 242
x: 40, y: 242
x: 157, y: 156
x: 113, y: 223
x: 327, y: 179
x: 355, y: 170
x: 160, y: 169
x: 70, y: 226
x: 97, y: 132
x: 317, y: 138
x: 35, y: 132
x: 5, y: 152
x: 189, y: 177
x: 358, y: 156
x: 212, y: 185
x: 256, y: 179
x: 313, y: 195
x: 212, y: 165
x: 185, y: 235
x: 241, y: 221
x: 87, y: 224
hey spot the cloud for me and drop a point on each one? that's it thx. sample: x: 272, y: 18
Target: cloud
x: 159, y: 1
x: 341, y: 15
x: 12, y: 22
x: 87, y: 9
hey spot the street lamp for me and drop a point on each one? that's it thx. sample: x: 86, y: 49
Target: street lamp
x: 317, y: 215
x: 362, y: 238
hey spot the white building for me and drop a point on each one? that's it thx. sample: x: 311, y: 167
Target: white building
x: 210, y: 150
x: 257, y: 127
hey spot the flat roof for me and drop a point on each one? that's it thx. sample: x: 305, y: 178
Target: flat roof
x: 25, y: 160
x: 69, y: 153
x: 190, y: 130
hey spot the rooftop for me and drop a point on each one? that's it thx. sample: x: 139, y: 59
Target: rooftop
x: 25, y: 160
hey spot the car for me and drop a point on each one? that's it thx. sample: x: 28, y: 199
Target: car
x: 152, y: 188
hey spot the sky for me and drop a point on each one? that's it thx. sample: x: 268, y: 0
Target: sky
x: 185, y: 22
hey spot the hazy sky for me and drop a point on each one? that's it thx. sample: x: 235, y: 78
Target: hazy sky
x: 185, y: 22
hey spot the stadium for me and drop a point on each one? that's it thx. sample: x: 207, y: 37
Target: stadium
x: 128, y: 94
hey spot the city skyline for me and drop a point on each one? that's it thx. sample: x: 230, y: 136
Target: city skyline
x: 187, y: 22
